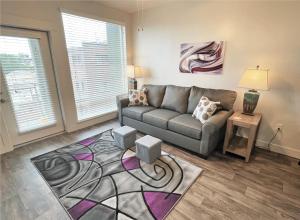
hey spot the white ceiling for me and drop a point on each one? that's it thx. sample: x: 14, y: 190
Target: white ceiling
x: 130, y: 6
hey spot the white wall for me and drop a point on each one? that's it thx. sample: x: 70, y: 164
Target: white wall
x: 256, y: 33
x: 45, y: 15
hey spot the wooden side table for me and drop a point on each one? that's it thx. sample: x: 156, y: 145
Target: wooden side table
x: 240, y: 145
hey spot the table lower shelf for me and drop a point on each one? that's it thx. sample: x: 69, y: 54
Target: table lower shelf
x: 238, y: 145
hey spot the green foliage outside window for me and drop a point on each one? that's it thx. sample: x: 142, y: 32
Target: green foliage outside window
x: 13, y: 62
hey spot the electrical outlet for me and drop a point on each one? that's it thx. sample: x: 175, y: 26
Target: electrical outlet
x: 279, y: 126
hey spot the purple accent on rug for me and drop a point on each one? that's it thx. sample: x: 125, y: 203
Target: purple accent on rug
x: 87, y: 142
x: 80, y: 208
x: 160, y: 203
x: 131, y: 163
x: 84, y: 156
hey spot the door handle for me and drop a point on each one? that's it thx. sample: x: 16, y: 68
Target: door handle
x: 2, y: 100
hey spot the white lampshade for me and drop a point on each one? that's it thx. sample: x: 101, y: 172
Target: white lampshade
x: 130, y: 71
x: 134, y: 71
x: 255, y: 79
x: 138, y: 72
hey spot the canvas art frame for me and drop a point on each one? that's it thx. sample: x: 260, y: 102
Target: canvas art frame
x: 204, y: 57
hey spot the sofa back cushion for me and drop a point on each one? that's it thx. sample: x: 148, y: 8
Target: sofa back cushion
x: 176, y: 98
x: 225, y: 97
x: 155, y: 94
x: 194, y: 98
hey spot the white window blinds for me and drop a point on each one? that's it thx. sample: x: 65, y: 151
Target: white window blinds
x: 97, y: 58
x: 26, y: 82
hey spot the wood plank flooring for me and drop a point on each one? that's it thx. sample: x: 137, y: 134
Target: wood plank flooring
x: 268, y: 187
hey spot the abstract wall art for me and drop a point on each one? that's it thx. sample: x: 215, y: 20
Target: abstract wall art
x: 206, y: 57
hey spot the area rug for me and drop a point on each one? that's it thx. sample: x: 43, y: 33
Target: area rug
x: 95, y: 179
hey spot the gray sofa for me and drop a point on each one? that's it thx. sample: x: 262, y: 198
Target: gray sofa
x: 169, y: 116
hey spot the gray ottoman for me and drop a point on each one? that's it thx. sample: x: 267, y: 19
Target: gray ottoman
x: 125, y: 136
x: 148, y: 148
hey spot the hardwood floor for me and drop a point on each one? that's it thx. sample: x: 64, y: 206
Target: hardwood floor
x: 268, y: 187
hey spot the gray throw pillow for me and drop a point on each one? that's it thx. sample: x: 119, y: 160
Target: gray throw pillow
x: 155, y: 94
x: 176, y: 98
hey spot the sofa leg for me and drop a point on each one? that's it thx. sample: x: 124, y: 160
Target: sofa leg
x: 203, y: 156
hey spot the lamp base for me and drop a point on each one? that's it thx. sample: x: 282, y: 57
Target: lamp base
x: 132, y: 83
x: 250, y: 102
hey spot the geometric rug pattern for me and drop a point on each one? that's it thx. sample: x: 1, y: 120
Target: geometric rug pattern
x: 95, y: 179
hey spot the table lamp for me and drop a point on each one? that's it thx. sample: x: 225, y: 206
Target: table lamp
x: 253, y: 79
x: 133, y: 72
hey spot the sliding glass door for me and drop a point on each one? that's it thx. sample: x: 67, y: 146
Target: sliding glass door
x: 29, y: 100
x: 97, y: 58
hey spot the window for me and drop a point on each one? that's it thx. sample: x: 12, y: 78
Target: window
x: 97, y: 57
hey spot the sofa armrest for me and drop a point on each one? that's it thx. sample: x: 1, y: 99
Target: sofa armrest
x: 122, y: 101
x: 213, y: 130
x: 217, y: 121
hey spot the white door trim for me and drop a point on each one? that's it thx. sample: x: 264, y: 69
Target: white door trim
x: 19, y: 138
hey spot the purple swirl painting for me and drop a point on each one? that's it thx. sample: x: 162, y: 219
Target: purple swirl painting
x: 95, y: 179
x: 206, y: 57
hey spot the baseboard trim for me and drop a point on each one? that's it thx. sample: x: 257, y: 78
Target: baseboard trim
x: 83, y: 125
x: 291, y: 152
x: 38, y: 139
x: 91, y: 122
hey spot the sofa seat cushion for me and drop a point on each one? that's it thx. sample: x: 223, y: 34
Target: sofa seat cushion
x: 136, y: 112
x: 187, y: 125
x: 159, y: 117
